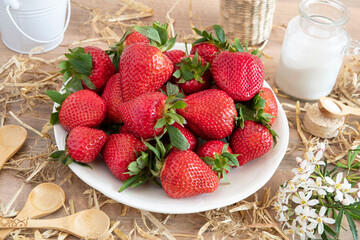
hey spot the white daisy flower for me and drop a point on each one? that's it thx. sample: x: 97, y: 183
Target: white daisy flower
x: 303, y: 201
x: 320, y: 219
x: 335, y: 186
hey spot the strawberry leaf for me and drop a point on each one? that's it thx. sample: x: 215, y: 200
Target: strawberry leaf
x: 56, y: 96
x: 177, y: 139
x: 88, y: 83
x: 179, y: 105
x: 148, y: 32
x: 54, y: 118
x: 172, y: 89
x: 134, y: 181
x: 160, y: 123
x: 219, y: 33
x: 57, y: 154
x: 80, y: 61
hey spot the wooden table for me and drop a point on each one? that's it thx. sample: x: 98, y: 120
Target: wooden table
x: 205, y: 13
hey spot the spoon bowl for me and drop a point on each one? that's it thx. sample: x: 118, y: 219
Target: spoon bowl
x: 332, y: 108
x: 87, y: 224
x: 11, y: 139
x: 44, y: 199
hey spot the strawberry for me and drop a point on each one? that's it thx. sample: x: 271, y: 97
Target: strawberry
x: 143, y: 68
x: 130, y: 37
x: 175, y: 56
x: 124, y: 129
x: 135, y: 37
x: 141, y: 114
x: 251, y: 141
x: 218, y: 156
x: 209, y: 114
x: 119, y: 151
x: 184, y: 174
x: 239, y: 74
x: 81, y: 108
x: 191, y: 138
x: 88, y: 67
x: 270, y: 107
x: 83, y: 145
x: 147, y: 116
x: 208, y: 46
x: 112, y: 98
x: 192, y: 74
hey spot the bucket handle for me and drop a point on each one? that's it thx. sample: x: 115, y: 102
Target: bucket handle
x: 42, y: 41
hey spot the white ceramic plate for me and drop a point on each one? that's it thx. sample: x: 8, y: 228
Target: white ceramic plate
x: 245, y: 180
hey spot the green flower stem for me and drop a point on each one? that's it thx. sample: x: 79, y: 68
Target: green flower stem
x: 319, y: 172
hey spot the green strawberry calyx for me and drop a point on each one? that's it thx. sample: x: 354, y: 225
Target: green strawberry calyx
x: 147, y: 165
x: 59, y: 99
x: 158, y: 35
x: 238, y: 47
x: 173, y: 102
x: 222, y: 163
x: 219, y: 41
x: 64, y: 157
x: 190, y: 69
x: 138, y: 170
x: 254, y: 111
x: 76, y: 69
x: 117, y: 48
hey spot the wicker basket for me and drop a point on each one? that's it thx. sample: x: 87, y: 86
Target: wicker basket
x: 248, y: 20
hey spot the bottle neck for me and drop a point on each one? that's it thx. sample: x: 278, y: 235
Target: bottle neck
x: 322, y: 18
x: 319, y: 30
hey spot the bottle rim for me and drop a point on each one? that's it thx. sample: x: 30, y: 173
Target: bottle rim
x: 305, y: 5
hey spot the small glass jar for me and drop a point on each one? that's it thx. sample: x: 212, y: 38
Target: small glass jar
x: 314, y: 46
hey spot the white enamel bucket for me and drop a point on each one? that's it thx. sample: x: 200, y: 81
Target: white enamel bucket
x: 26, y: 24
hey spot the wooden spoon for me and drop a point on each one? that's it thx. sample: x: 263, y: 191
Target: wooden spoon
x: 44, y: 199
x: 335, y: 109
x: 91, y: 223
x: 11, y: 139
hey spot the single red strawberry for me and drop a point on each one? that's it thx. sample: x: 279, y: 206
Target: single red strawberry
x: 192, y: 74
x: 251, y: 141
x: 175, y: 56
x: 208, y: 46
x: 210, y: 114
x: 218, y: 156
x: 143, y: 68
x: 130, y: 37
x: 135, y: 37
x: 84, y: 144
x: 184, y: 174
x: 270, y: 103
x: 82, y: 108
x: 141, y: 114
x: 149, y: 114
x: 191, y: 138
x: 124, y: 129
x: 89, y: 67
x: 112, y: 98
x: 239, y: 74
x: 119, y: 151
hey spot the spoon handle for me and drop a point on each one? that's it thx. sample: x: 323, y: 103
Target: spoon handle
x: 353, y: 111
x: 60, y: 224
x: 6, y: 154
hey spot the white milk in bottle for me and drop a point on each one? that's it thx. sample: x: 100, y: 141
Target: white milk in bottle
x: 313, y: 49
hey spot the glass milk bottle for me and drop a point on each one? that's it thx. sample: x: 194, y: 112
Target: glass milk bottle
x: 313, y: 49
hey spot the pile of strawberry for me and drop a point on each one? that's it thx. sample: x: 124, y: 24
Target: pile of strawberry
x: 144, y: 107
